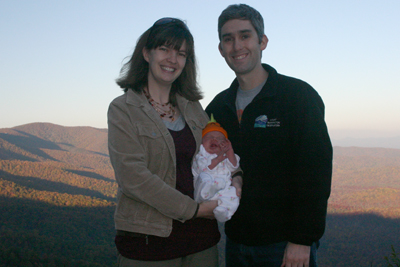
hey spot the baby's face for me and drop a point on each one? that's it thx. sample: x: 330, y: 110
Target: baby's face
x: 212, y: 142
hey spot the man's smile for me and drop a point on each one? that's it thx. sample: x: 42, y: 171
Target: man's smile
x: 239, y: 57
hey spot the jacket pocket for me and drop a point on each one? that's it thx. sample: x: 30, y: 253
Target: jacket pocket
x: 148, y: 130
x: 132, y: 210
x: 152, y: 140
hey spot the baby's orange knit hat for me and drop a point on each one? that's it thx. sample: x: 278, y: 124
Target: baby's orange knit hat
x: 213, y: 125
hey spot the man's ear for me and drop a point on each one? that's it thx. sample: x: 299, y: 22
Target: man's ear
x: 264, y: 42
x: 145, y: 54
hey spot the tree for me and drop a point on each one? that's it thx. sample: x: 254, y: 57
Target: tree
x: 394, y: 260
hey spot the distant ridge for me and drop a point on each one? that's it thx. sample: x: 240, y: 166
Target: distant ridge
x: 53, y: 136
x: 95, y: 139
x: 389, y: 142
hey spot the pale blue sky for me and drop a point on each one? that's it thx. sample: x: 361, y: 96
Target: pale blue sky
x: 59, y: 59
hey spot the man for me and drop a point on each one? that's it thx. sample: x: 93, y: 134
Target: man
x: 276, y: 125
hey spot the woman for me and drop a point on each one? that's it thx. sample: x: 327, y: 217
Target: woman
x: 154, y: 130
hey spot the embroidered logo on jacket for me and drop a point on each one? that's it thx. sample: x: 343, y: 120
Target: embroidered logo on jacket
x: 274, y: 123
x: 262, y: 121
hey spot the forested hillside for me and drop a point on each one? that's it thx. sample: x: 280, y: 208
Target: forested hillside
x: 364, y: 208
x: 57, y: 197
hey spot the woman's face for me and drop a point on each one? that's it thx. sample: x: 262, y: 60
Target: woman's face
x: 165, y: 64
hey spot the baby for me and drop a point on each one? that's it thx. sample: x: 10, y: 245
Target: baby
x: 212, y: 168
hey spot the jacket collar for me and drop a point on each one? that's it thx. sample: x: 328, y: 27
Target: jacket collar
x: 134, y: 98
x: 268, y: 90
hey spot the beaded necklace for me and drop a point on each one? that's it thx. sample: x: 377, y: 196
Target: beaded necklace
x: 166, y: 111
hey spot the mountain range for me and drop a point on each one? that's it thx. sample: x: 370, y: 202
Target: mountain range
x: 388, y: 142
x: 57, y: 196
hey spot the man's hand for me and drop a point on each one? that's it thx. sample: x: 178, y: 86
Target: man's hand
x: 237, y: 183
x: 296, y: 255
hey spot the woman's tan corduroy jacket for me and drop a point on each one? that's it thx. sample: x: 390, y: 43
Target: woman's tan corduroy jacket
x: 142, y: 153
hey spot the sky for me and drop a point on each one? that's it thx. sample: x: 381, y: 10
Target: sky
x: 59, y: 59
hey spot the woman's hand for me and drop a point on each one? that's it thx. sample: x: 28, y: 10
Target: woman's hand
x: 206, y: 209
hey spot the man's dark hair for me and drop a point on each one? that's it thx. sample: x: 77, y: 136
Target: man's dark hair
x: 244, y: 12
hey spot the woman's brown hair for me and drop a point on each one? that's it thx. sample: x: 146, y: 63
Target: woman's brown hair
x: 173, y: 34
